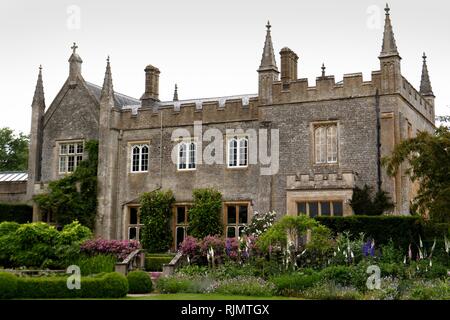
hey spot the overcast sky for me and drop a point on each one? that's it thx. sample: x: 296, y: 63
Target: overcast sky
x: 210, y: 48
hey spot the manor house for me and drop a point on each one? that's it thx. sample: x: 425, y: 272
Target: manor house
x: 322, y: 139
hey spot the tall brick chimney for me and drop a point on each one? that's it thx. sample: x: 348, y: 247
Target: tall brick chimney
x: 288, y: 65
x: 151, y: 93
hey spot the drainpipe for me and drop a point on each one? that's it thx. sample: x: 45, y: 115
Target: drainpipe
x: 377, y: 109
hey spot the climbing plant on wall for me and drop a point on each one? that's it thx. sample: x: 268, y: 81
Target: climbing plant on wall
x: 74, y: 197
x: 205, y: 215
x: 156, y: 211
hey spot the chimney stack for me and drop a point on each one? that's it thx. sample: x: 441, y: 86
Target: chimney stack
x: 151, y: 93
x: 288, y: 65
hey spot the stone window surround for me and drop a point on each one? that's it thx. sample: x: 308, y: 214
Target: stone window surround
x: 239, y: 137
x: 187, y: 142
x: 175, y: 224
x: 295, y: 196
x: 130, y: 145
x: 313, y: 126
x: 226, y: 204
x: 319, y: 208
x: 128, y: 226
x: 58, y: 144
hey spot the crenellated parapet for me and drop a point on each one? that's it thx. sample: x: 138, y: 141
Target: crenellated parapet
x: 417, y: 100
x: 185, y: 112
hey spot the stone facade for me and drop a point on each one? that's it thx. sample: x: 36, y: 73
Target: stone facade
x: 369, y: 117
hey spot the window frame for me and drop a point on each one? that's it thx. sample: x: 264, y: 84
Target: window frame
x: 319, y: 206
x: 140, y: 146
x: 138, y: 225
x: 327, y: 141
x: 238, y: 139
x: 190, y: 166
x: 75, y: 154
x: 237, y: 225
x: 176, y: 224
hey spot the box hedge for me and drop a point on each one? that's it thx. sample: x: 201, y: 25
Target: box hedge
x: 8, y: 285
x: 403, y: 230
x: 20, y: 213
x: 108, y: 285
x: 154, y: 262
x: 139, y: 282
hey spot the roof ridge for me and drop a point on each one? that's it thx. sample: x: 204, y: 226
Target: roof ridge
x: 115, y: 92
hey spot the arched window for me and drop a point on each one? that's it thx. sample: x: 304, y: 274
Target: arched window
x: 238, y: 152
x: 139, y: 158
x: 187, y: 157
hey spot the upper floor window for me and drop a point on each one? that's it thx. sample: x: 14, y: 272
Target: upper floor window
x: 70, y: 156
x: 238, y: 152
x: 187, y: 156
x: 139, y: 158
x: 325, y: 143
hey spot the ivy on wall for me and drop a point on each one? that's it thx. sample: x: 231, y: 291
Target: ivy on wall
x: 156, y: 213
x: 74, y: 197
x: 205, y: 216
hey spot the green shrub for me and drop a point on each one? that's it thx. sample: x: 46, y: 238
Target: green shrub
x: 155, y: 262
x: 8, y: 228
x: 139, y: 282
x: 403, y: 230
x: 109, y: 285
x: 346, y: 276
x: 8, y: 285
x: 328, y: 290
x: 41, y: 245
x: 428, y: 290
x: 205, y: 215
x: 246, y: 286
x: 292, y: 284
x: 179, y: 283
x: 156, y: 211
x: 20, y: 213
x: 96, y: 264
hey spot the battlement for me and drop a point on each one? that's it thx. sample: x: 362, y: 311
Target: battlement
x: 185, y: 112
x: 417, y: 100
x: 326, y: 88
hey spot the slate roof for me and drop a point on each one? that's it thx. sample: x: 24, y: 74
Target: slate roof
x: 13, y: 176
x: 120, y: 99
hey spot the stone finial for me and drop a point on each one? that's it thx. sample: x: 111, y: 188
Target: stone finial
x: 389, y: 44
x: 268, y: 58
x: 175, y: 93
x: 323, y: 70
x: 425, y: 84
x: 75, y: 65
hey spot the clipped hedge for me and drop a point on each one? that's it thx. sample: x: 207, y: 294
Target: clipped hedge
x: 108, y: 285
x: 20, y: 213
x: 8, y: 285
x: 403, y: 230
x: 139, y: 282
x: 154, y: 262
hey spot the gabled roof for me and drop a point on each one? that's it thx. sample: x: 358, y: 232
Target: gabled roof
x: 120, y: 99
x: 13, y: 176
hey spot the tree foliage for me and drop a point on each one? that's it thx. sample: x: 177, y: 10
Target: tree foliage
x: 205, y: 214
x: 156, y: 211
x: 74, y: 197
x: 428, y: 159
x: 363, y: 204
x: 13, y: 150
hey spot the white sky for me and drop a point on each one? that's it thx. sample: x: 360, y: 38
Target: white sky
x: 210, y: 48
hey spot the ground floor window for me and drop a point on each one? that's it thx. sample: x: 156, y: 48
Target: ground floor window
x: 181, y: 223
x: 321, y: 208
x: 134, y: 224
x: 236, y: 217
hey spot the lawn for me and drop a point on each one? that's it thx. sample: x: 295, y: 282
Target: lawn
x: 194, y: 296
